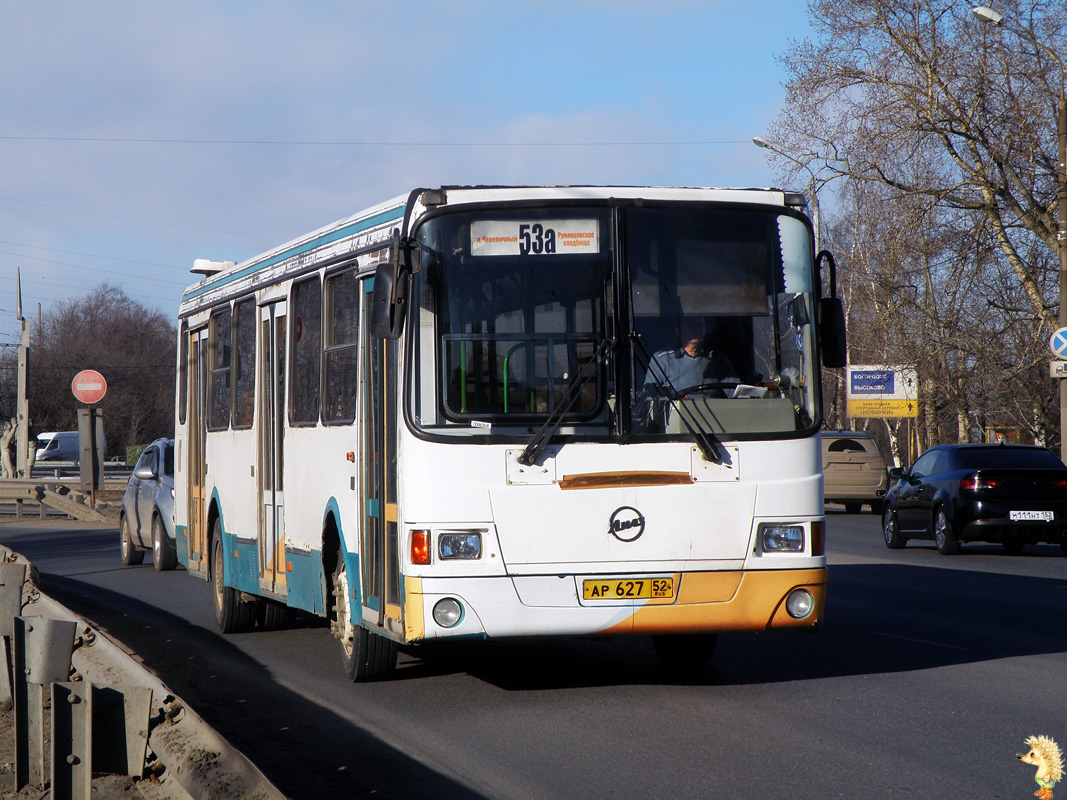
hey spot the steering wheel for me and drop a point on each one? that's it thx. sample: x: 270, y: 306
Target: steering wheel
x: 722, y: 386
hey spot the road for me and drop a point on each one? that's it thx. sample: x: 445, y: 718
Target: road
x: 925, y: 679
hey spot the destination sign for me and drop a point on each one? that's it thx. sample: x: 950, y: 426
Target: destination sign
x: 546, y: 237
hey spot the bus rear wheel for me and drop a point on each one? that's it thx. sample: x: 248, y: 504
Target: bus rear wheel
x: 231, y: 613
x: 685, y: 652
x: 366, y: 656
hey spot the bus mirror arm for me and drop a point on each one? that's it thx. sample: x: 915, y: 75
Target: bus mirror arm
x: 832, y: 333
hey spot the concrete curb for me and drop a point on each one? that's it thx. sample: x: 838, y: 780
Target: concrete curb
x: 195, y: 757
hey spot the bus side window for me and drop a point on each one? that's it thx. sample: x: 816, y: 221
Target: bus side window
x: 341, y: 347
x: 219, y: 386
x: 307, y: 352
x: 244, y: 350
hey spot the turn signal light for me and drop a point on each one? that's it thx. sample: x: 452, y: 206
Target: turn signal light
x: 818, y: 538
x: 420, y: 547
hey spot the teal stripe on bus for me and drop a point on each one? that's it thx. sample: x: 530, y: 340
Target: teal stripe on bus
x: 326, y: 238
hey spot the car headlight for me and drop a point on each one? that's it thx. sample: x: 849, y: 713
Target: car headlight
x: 781, y: 538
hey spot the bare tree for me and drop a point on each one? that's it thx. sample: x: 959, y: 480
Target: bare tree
x: 131, y: 345
x: 942, y: 131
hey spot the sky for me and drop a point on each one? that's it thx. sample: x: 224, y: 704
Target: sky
x: 136, y: 137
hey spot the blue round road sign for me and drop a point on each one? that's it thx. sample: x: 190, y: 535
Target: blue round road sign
x: 1058, y: 343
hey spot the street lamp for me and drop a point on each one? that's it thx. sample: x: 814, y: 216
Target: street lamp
x: 987, y: 14
x: 759, y: 141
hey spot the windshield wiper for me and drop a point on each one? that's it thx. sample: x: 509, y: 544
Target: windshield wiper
x: 705, y: 440
x: 537, y: 444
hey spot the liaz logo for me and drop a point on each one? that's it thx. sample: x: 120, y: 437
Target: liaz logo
x: 626, y: 524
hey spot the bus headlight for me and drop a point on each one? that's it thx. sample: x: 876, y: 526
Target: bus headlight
x: 448, y: 612
x: 799, y: 603
x: 775, y: 538
x: 459, y: 545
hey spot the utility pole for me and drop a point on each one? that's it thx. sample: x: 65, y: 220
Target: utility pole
x: 22, y: 418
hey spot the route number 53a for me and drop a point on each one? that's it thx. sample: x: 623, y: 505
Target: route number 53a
x: 536, y: 239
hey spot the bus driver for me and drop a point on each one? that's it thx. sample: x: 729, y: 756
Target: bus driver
x: 689, y: 366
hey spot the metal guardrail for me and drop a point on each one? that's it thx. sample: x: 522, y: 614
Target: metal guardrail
x: 106, y: 713
x: 49, y: 494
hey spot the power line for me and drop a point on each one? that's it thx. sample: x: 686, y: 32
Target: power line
x: 87, y: 255
x: 269, y: 142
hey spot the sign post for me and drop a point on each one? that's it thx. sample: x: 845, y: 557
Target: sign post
x: 89, y: 387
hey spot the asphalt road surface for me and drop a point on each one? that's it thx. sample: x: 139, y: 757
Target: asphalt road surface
x: 925, y: 679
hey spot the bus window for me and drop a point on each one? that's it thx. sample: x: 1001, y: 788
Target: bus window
x: 244, y: 338
x: 341, y: 347
x: 219, y: 376
x: 307, y: 352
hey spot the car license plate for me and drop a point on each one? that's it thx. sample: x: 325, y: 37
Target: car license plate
x: 628, y: 589
x: 1031, y: 516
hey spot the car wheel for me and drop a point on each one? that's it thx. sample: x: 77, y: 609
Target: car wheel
x: 232, y: 614
x: 853, y: 508
x: 944, y: 536
x: 164, y: 557
x: 877, y: 507
x: 891, y: 530
x: 366, y: 656
x: 685, y: 653
x: 131, y: 556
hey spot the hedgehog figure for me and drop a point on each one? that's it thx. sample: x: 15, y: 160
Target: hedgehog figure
x: 1046, y: 756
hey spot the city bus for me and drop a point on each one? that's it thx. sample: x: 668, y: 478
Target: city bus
x: 460, y: 414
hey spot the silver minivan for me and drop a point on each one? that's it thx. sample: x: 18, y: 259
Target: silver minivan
x: 61, y: 446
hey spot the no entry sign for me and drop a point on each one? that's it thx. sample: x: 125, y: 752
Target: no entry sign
x: 89, y: 387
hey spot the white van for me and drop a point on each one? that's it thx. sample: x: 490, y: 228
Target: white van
x: 61, y: 446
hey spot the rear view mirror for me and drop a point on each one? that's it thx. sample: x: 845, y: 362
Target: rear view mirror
x: 832, y: 335
x: 390, y: 293
x: 832, y: 332
x: 144, y: 473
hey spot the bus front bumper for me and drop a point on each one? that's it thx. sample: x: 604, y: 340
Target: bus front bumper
x: 702, y: 602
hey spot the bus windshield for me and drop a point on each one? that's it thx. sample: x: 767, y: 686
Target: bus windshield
x: 708, y: 310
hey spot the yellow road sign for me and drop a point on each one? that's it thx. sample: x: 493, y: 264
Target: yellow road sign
x: 883, y: 408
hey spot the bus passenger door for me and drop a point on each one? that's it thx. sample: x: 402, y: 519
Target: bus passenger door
x: 271, y: 430
x: 197, y: 528
x: 378, y: 494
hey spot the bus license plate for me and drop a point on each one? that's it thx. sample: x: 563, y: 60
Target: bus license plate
x: 1031, y: 516
x: 628, y: 589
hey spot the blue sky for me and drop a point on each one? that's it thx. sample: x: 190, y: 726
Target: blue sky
x: 136, y: 137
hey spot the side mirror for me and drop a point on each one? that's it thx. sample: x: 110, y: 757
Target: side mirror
x: 832, y: 332
x: 832, y: 335
x: 896, y: 473
x: 390, y: 294
x: 144, y: 473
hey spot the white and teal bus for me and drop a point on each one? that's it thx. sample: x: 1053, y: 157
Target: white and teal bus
x: 472, y: 412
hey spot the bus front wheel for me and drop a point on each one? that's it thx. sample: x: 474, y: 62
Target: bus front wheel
x: 367, y: 656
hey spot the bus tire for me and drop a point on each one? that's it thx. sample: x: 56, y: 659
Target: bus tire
x: 685, y: 652
x: 366, y: 656
x: 231, y: 613
x: 131, y: 556
x: 272, y: 616
x: 164, y: 557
